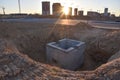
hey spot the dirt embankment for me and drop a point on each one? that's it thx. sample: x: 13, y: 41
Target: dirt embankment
x: 14, y: 66
x: 31, y: 39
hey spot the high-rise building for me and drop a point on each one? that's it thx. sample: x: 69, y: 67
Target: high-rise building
x: 57, y: 9
x: 75, y: 11
x: 80, y: 13
x: 46, y: 8
x: 106, y: 12
x: 70, y: 11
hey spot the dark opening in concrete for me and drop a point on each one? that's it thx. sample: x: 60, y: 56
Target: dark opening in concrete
x: 66, y: 44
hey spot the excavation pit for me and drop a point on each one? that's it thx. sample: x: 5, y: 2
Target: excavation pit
x: 66, y: 53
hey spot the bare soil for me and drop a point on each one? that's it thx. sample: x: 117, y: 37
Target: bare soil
x: 31, y: 39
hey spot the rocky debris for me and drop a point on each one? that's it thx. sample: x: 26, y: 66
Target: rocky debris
x: 16, y: 66
x: 115, y: 56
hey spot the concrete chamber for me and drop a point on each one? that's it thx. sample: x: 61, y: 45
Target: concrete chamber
x: 66, y: 53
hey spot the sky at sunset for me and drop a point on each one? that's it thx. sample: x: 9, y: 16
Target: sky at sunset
x: 34, y: 6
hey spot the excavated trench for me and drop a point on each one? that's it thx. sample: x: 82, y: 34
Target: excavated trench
x: 32, y: 40
x: 35, y: 48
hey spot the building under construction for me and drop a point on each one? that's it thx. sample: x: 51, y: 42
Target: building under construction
x: 75, y: 11
x: 80, y: 13
x: 106, y: 12
x: 45, y: 8
x: 57, y: 9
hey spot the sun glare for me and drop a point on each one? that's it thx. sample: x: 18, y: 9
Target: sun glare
x: 66, y: 10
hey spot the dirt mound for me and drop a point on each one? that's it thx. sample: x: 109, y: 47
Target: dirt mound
x: 115, y: 56
x: 14, y: 65
x: 100, y: 48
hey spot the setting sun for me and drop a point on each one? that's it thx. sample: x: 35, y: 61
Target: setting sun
x: 66, y: 10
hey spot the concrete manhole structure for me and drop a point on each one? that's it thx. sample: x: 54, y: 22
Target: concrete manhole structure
x: 66, y: 53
